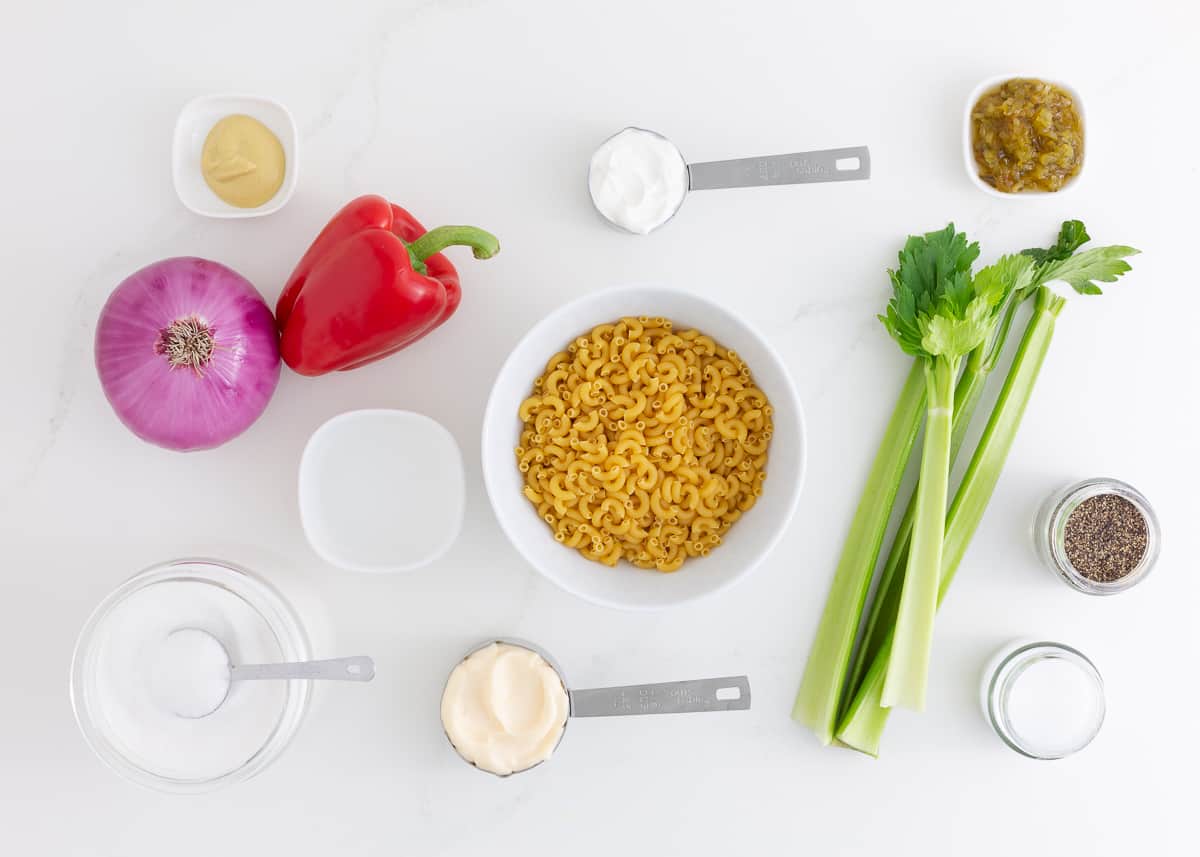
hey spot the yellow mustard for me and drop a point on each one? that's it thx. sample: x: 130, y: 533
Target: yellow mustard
x: 242, y: 161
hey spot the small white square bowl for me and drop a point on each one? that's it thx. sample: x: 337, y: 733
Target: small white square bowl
x: 969, y: 153
x: 195, y: 121
x: 381, y: 490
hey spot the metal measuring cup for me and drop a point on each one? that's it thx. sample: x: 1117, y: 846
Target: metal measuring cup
x: 672, y: 697
x: 825, y: 165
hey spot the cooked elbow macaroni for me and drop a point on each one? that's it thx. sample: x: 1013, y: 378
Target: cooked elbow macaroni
x: 643, y: 442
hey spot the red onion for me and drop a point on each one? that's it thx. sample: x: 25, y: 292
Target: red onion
x: 187, y: 352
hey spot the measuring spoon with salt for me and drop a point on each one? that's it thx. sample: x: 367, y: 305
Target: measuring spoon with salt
x: 730, y: 693
x: 193, y: 673
x: 638, y: 179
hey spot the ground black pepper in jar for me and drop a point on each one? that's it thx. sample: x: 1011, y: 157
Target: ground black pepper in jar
x: 1105, y: 537
x: 1100, y: 536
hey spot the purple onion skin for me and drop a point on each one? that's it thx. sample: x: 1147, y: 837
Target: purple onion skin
x: 182, y: 407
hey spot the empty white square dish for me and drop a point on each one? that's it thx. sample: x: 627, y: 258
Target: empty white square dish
x: 381, y: 490
x: 195, y: 121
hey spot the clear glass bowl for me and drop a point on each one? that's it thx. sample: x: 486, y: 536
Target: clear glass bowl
x: 1040, y: 728
x: 1049, y: 534
x: 255, y: 599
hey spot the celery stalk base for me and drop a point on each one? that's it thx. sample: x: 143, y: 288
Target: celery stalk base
x: 820, y: 692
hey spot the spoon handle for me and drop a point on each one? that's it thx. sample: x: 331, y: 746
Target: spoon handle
x: 828, y: 165
x: 672, y: 697
x: 357, y: 668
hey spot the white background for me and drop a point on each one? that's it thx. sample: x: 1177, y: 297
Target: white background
x: 486, y: 113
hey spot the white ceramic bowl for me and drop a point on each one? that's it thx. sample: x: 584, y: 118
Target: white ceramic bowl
x: 628, y: 587
x: 969, y: 153
x: 191, y: 128
x: 381, y: 490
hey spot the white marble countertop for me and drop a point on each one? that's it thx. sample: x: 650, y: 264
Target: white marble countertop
x: 486, y: 112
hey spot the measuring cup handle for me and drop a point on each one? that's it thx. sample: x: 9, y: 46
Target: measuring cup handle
x: 672, y: 697
x: 796, y: 168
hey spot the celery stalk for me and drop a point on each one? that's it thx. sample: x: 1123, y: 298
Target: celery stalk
x: 825, y: 673
x: 908, y: 666
x: 941, y: 313
x: 864, y: 721
x: 882, y: 613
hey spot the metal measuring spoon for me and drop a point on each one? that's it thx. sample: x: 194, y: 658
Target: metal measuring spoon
x: 825, y: 165
x: 188, y: 694
x: 730, y: 693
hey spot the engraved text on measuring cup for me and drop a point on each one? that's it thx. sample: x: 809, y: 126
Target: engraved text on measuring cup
x: 805, y: 167
x: 768, y: 170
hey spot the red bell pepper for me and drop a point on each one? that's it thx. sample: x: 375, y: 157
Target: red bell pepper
x: 372, y: 283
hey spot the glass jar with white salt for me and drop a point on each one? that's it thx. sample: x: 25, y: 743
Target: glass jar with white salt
x: 1045, y: 700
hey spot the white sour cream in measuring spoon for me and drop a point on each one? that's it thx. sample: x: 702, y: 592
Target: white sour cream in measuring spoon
x: 638, y: 180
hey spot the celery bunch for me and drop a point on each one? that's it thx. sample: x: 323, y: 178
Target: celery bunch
x: 944, y: 316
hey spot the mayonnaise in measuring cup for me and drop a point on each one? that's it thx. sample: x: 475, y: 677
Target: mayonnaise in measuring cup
x: 504, y: 708
x: 638, y: 180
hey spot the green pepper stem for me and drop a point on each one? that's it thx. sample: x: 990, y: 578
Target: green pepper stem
x: 484, y: 245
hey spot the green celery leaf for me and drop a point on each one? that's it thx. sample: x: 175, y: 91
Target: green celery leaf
x: 1082, y: 272
x: 933, y: 277
x: 951, y: 336
x: 938, y: 309
x: 957, y: 293
x: 1007, y: 275
x: 901, y: 317
x: 1071, y: 237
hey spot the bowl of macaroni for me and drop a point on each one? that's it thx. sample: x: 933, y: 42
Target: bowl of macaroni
x: 643, y: 447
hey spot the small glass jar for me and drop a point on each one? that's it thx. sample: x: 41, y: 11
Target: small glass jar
x: 1049, y: 534
x: 1045, y: 700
